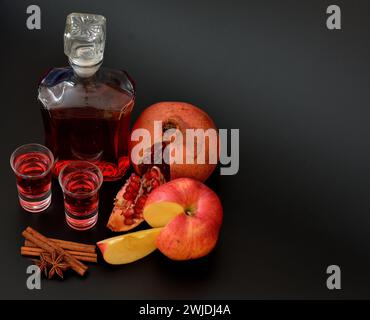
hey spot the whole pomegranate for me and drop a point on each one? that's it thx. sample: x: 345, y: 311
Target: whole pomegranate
x: 181, y: 116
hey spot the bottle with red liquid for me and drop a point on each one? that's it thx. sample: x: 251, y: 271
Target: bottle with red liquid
x: 85, y: 108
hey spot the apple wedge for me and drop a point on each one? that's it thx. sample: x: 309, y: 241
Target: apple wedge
x: 129, y: 247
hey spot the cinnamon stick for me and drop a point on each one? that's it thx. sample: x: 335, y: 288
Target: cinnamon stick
x: 67, y: 245
x: 82, y: 256
x: 49, y: 246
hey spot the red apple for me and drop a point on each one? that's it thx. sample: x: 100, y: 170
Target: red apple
x: 181, y: 116
x: 191, y: 214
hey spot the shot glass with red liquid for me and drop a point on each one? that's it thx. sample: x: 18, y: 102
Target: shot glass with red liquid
x: 32, y: 164
x: 80, y: 182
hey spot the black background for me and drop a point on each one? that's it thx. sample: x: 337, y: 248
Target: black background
x: 299, y: 94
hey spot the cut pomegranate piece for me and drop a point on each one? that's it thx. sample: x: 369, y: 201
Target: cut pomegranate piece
x: 130, y: 200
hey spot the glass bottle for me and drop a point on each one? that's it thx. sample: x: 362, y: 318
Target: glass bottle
x: 86, y: 109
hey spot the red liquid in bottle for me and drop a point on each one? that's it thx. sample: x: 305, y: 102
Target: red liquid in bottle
x: 85, y: 133
x: 88, y: 118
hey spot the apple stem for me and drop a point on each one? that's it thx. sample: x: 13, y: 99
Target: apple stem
x: 188, y: 212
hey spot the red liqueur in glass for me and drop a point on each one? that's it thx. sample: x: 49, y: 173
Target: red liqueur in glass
x: 80, y: 182
x: 32, y: 166
x: 33, y: 179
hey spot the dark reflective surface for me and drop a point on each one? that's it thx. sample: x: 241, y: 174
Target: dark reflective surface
x: 299, y: 94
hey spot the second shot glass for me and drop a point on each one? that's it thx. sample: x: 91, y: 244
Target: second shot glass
x: 80, y: 182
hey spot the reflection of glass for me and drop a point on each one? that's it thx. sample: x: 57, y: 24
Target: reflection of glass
x: 32, y: 165
x: 86, y: 109
x: 80, y: 182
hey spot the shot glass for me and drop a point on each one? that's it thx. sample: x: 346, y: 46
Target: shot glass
x: 80, y: 182
x: 32, y: 164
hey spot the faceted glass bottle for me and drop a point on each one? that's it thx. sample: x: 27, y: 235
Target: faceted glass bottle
x: 86, y: 109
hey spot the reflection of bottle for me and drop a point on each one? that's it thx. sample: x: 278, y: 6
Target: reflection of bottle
x: 86, y: 109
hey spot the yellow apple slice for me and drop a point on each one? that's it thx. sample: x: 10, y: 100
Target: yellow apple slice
x: 129, y: 247
x: 158, y: 214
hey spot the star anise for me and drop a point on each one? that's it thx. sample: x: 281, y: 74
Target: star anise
x: 57, y: 266
x: 42, y: 264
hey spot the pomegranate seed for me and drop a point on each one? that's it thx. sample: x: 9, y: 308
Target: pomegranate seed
x: 128, y: 213
x: 129, y: 189
x: 129, y: 221
x: 135, y: 185
x: 129, y: 196
x: 141, y: 201
x: 155, y: 184
x: 148, y: 175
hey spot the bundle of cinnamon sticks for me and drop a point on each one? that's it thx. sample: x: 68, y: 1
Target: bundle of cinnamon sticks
x: 73, y: 252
